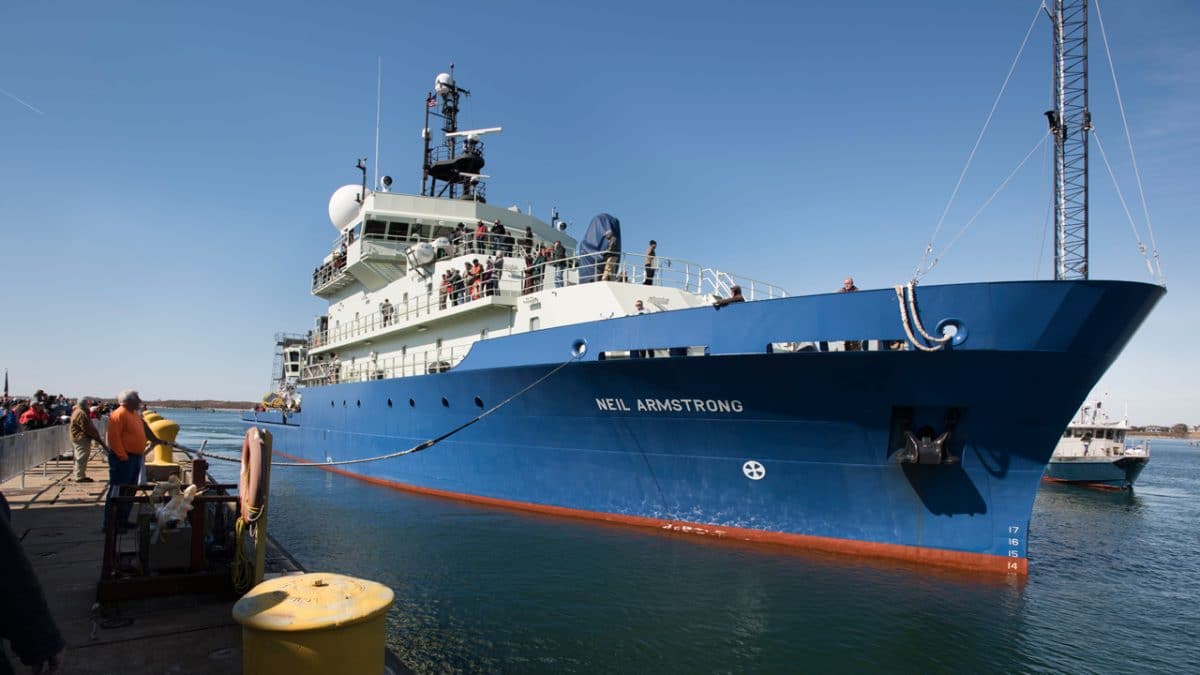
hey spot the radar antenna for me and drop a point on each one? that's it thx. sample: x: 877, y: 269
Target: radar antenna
x: 456, y: 162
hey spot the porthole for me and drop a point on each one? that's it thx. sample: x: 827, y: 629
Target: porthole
x: 478, y: 402
x: 389, y: 402
x: 331, y: 404
x: 343, y: 404
x: 358, y: 404
x: 445, y: 403
x: 412, y: 403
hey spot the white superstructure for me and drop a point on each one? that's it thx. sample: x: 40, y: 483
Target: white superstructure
x: 389, y: 312
x: 397, y: 309
x: 1093, y: 434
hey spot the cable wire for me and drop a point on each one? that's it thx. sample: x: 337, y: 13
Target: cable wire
x: 1132, y: 224
x: 1132, y: 156
x: 978, y: 140
x: 420, y: 446
x: 986, y: 203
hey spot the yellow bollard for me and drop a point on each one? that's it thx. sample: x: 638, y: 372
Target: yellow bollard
x: 151, y: 416
x: 162, y: 465
x: 312, y: 624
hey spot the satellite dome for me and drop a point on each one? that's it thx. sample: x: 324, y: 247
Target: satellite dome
x: 343, y: 206
x: 443, y: 84
x: 421, y: 253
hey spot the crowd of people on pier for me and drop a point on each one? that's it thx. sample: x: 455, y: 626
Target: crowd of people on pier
x: 18, y: 414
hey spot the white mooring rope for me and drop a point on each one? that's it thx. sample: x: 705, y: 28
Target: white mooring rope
x: 905, y: 321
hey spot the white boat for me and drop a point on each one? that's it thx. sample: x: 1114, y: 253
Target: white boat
x: 1094, y: 450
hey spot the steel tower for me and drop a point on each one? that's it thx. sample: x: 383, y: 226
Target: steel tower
x: 1070, y: 122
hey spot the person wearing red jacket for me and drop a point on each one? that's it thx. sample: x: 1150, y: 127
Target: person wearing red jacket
x: 34, y: 418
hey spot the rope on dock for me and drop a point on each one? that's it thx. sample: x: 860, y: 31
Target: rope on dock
x: 425, y: 445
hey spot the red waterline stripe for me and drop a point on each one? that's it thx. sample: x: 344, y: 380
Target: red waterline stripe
x: 1094, y: 486
x: 974, y: 562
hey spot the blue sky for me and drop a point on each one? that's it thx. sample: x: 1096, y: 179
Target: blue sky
x: 165, y: 171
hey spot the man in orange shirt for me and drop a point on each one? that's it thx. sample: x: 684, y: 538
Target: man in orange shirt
x: 127, y: 441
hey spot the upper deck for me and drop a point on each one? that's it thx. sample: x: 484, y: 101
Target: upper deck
x: 373, y: 249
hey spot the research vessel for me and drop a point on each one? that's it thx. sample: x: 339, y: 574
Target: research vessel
x: 482, y: 353
x: 1095, y: 451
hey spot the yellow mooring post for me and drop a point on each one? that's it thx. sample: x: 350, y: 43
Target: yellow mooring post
x: 162, y: 465
x: 313, y: 624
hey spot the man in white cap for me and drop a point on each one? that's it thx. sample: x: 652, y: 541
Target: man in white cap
x: 127, y: 445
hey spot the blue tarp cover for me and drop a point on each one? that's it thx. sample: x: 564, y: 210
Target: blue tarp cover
x: 591, y: 247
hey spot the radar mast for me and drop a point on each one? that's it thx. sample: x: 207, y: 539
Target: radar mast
x: 456, y: 162
x: 1070, y: 122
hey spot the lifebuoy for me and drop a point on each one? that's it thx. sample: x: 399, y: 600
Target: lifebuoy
x: 250, y: 482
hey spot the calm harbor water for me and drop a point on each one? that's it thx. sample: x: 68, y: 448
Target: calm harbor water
x: 1113, y: 585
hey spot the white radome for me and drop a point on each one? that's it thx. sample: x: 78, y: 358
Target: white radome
x: 343, y: 206
x: 443, y: 84
x: 421, y: 253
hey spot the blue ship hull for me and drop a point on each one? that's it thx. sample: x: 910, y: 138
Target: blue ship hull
x: 1099, y: 472
x: 743, y: 442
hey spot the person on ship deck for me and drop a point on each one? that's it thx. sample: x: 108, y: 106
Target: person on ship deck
x: 651, y: 262
x: 735, y: 296
x: 849, y: 287
x: 385, y: 312
x: 499, y: 237
x: 475, y: 274
x: 612, y: 256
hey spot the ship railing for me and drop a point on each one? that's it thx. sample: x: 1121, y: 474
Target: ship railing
x: 315, y: 373
x: 666, y: 272
x: 393, y: 245
x: 631, y: 267
x: 678, y: 273
x: 407, y: 364
x: 328, y: 273
x: 380, y: 246
x: 441, y: 153
x: 415, y: 310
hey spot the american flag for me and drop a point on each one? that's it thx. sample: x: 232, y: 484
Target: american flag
x: 431, y: 101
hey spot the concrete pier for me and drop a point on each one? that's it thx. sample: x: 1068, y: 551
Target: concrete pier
x: 59, y: 522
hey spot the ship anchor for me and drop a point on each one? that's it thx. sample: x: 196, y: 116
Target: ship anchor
x: 926, y: 449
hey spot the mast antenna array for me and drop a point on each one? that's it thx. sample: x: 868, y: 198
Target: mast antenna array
x: 1070, y: 122
x: 455, y: 162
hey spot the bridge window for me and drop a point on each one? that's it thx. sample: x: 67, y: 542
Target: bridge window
x: 398, y: 231
x: 376, y: 229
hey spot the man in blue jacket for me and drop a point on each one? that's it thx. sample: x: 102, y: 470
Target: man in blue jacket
x: 8, y: 421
